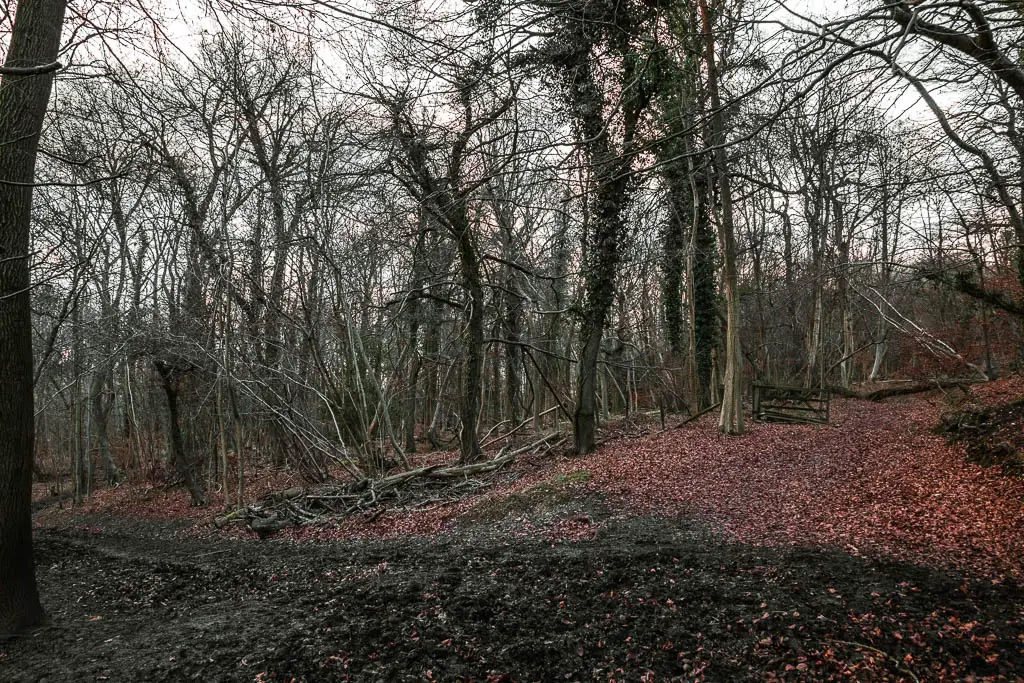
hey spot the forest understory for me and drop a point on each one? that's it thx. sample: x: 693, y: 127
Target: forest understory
x: 869, y: 549
x: 257, y: 257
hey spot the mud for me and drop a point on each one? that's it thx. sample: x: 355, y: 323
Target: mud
x: 643, y: 599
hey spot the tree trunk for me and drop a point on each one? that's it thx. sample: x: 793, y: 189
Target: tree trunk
x: 600, y: 295
x: 175, y: 443
x: 513, y: 353
x: 585, y: 419
x: 409, y: 409
x: 876, y: 367
x: 704, y: 290
x: 842, y: 241
x: 34, y: 41
x: 469, y: 410
x: 673, y: 264
x: 417, y: 283
x: 814, y: 335
x: 731, y: 418
x: 77, y: 410
x: 100, y: 407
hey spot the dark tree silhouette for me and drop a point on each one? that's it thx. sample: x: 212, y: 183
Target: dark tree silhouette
x: 24, y: 92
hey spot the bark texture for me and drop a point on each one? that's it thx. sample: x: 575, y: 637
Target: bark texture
x: 23, y: 99
x: 731, y: 419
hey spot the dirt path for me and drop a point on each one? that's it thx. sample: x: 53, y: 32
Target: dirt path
x: 625, y: 565
x: 879, y: 482
x: 646, y: 597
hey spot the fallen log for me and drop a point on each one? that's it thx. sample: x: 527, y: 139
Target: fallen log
x: 907, y: 388
x: 265, y: 526
x: 436, y: 483
x: 917, y: 388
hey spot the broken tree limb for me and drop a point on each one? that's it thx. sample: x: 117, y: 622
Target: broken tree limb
x: 371, y: 497
x: 917, y: 388
x: 37, y: 70
x: 906, y: 388
x: 561, y: 404
x: 516, y: 428
x: 937, y: 347
x: 698, y: 414
x: 491, y: 431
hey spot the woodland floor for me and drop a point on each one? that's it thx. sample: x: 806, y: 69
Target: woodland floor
x: 868, y: 550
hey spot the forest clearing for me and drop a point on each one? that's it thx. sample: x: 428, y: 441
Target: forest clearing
x: 511, y: 340
x: 866, y: 550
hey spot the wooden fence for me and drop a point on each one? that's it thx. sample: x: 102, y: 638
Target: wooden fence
x: 791, y: 404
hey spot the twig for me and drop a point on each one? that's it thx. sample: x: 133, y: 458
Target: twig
x: 892, y: 659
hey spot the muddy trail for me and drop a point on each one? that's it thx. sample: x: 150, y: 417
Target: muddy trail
x: 647, y: 598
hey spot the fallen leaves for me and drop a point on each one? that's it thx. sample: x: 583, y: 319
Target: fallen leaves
x: 879, y: 482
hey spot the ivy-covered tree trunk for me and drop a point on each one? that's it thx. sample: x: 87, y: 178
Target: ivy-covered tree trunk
x: 472, y: 282
x: 611, y: 168
x: 599, y: 285
x: 673, y: 263
x: 703, y: 288
x: 690, y: 253
x: 24, y: 93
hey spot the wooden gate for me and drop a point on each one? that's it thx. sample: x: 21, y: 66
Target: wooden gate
x: 791, y: 404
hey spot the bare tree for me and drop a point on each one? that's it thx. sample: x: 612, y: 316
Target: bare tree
x: 25, y: 81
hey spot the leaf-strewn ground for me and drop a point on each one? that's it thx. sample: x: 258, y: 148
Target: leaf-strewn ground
x: 869, y: 549
x: 880, y: 482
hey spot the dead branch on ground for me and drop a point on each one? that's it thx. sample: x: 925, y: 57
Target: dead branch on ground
x: 430, y: 485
